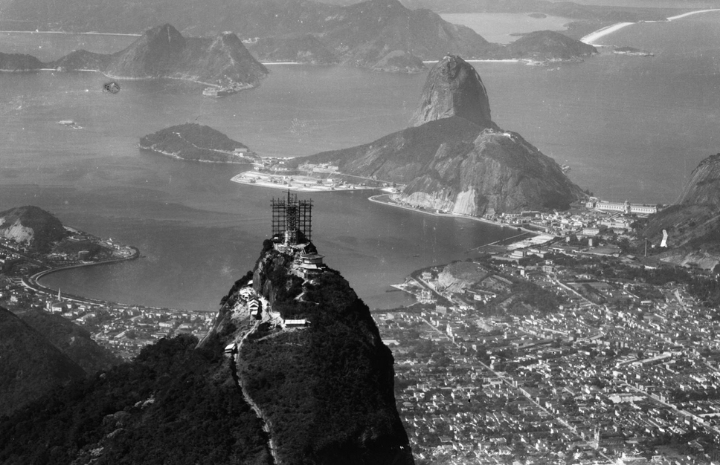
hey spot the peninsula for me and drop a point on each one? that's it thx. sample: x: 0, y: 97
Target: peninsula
x: 454, y: 158
x: 196, y: 142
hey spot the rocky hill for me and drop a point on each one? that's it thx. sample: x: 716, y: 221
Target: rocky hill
x: 549, y: 45
x: 162, y: 52
x: 196, y: 142
x: 455, y: 159
x: 30, y: 365
x: 31, y: 227
x: 16, y: 62
x: 325, y: 391
x: 258, y: 390
x: 693, y: 221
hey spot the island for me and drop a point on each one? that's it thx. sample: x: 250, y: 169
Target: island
x: 632, y: 51
x: 195, y: 142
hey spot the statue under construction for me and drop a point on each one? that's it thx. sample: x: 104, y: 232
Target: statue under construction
x: 291, y: 220
x: 292, y: 234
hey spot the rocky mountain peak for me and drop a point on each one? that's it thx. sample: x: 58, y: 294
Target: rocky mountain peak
x: 453, y: 88
x: 165, y: 35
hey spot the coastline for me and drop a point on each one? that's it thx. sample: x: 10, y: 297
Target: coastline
x: 377, y: 199
x: 593, y: 36
x: 33, y: 282
x: 252, y: 178
x: 178, y: 157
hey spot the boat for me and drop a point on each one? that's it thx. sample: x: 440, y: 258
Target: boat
x: 565, y: 168
x: 69, y: 123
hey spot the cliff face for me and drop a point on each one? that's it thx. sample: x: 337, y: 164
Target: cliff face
x: 703, y: 188
x: 501, y: 173
x: 693, y: 222
x: 455, y: 159
x: 324, y: 391
x: 31, y: 226
x: 453, y: 88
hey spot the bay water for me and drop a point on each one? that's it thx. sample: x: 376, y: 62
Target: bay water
x: 630, y: 128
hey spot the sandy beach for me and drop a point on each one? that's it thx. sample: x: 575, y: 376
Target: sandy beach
x: 594, y: 36
x: 385, y: 200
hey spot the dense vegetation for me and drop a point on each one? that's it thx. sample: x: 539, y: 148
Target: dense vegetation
x: 73, y: 340
x: 193, y: 141
x: 173, y: 405
x: 30, y: 365
x: 327, y: 389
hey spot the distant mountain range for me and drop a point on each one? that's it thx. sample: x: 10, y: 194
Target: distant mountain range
x: 161, y: 52
x: 455, y: 158
x: 377, y: 34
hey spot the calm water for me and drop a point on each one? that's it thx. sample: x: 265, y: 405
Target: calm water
x: 629, y: 127
x: 498, y: 27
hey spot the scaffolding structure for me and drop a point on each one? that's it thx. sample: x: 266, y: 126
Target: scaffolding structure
x: 290, y: 215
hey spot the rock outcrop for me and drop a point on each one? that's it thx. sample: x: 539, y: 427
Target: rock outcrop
x: 453, y: 88
x: 324, y: 389
x: 455, y: 159
x: 32, y: 227
x: 693, y: 222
